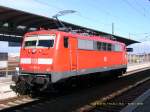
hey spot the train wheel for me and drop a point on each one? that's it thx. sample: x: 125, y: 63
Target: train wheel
x: 23, y: 88
x: 118, y: 73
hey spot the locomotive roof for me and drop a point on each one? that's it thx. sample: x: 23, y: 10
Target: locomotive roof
x: 77, y: 35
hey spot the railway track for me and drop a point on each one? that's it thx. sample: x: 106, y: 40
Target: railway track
x: 12, y: 102
x: 117, y: 100
x: 77, y: 98
x: 117, y: 103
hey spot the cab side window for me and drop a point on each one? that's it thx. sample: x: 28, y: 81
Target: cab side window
x: 66, y: 43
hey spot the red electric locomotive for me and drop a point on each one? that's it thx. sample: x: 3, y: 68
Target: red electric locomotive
x: 49, y: 56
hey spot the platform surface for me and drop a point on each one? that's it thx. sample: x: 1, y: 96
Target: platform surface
x: 136, y: 66
x: 5, y: 91
x: 145, y: 107
x: 140, y: 104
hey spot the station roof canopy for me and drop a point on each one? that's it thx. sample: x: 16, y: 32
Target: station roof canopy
x: 15, y: 23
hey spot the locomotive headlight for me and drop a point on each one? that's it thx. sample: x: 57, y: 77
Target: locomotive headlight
x: 17, y: 70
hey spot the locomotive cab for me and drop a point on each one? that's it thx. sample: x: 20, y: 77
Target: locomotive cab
x: 37, y: 53
x: 36, y: 59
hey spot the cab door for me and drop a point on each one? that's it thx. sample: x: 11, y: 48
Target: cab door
x: 73, y: 53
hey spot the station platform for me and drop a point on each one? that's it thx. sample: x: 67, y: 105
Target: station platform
x: 5, y: 91
x: 140, y: 104
x: 5, y: 82
x: 132, y: 67
x: 5, y: 79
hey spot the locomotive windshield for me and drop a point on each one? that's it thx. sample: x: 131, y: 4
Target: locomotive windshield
x: 30, y: 43
x: 44, y: 41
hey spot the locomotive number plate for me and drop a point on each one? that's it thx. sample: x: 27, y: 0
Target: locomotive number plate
x: 34, y: 61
